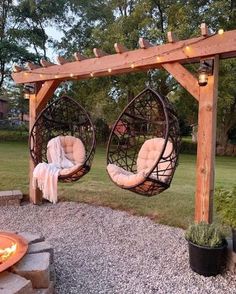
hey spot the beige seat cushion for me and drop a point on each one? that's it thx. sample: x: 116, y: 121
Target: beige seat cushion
x: 147, y: 157
x: 124, y: 178
x: 74, y: 151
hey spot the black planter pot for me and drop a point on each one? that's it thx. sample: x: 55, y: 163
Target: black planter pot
x: 207, y: 261
x: 234, y: 239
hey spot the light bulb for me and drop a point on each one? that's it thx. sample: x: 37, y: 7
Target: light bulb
x: 221, y: 32
x: 202, y: 79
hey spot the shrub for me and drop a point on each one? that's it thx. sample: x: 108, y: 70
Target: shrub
x: 207, y: 235
x: 225, y: 203
x: 13, y: 135
x: 188, y: 147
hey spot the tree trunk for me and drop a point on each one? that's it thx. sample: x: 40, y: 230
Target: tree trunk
x: 222, y: 141
x: 194, y: 133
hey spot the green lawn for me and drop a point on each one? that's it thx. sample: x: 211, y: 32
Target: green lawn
x: 173, y: 207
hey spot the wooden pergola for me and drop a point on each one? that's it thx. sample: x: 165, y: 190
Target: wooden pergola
x: 172, y: 57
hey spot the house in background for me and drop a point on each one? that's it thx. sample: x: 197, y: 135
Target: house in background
x: 3, y: 108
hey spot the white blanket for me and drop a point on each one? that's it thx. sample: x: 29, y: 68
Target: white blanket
x: 45, y: 175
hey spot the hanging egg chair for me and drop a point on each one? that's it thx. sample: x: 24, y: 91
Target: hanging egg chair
x: 67, y: 119
x: 144, y: 144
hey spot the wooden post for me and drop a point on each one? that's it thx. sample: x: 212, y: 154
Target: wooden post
x: 37, y: 102
x: 206, y: 147
x: 35, y: 194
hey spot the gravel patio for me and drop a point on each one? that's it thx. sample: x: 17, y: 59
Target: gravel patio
x: 99, y: 250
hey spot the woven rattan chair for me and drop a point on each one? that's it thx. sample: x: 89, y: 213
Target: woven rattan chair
x: 64, y: 117
x: 144, y: 144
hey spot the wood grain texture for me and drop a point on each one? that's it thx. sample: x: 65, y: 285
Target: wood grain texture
x: 119, y: 48
x: 186, y: 51
x: 184, y: 77
x: 205, y: 169
x: 36, y: 104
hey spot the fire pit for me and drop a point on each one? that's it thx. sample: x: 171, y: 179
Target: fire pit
x: 12, y: 248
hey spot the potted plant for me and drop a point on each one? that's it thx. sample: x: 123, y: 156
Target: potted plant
x: 207, y: 249
x: 225, y: 202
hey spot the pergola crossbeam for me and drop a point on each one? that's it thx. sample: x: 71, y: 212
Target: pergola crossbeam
x: 204, y: 30
x: 17, y: 68
x: 119, y: 48
x: 99, y: 53
x: 171, y: 37
x: 32, y: 66
x: 45, y: 63
x: 144, y: 44
x: 61, y: 60
x: 79, y: 57
x: 186, y: 51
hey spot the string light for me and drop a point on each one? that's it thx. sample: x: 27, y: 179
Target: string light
x: 41, y: 75
x: 221, y: 32
x: 132, y: 65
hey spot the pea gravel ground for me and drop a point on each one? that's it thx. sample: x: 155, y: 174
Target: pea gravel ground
x: 99, y: 250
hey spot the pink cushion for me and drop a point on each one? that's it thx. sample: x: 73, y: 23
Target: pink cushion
x: 147, y: 157
x: 68, y: 170
x: 124, y: 178
x: 74, y: 149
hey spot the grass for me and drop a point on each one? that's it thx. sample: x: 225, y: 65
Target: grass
x: 173, y: 207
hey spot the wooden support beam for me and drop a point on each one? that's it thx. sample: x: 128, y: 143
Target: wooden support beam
x: 45, y: 93
x: 119, y: 48
x: 32, y: 66
x: 46, y: 63
x: 204, y: 30
x: 186, y: 51
x: 144, y: 44
x: 35, y: 195
x: 99, y: 53
x: 184, y: 77
x: 17, y: 68
x: 206, y: 147
x: 37, y: 102
x: 171, y: 37
x: 79, y: 57
x: 61, y: 60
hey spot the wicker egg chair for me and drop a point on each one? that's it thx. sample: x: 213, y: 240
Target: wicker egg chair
x: 144, y: 144
x: 66, y: 118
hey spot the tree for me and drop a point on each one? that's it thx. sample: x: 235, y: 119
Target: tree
x: 23, y: 38
x: 101, y: 24
x: 10, y: 49
x: 32, y: 17
x: 219, y: 14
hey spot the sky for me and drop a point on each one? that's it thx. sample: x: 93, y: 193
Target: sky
x: 55, y: 34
